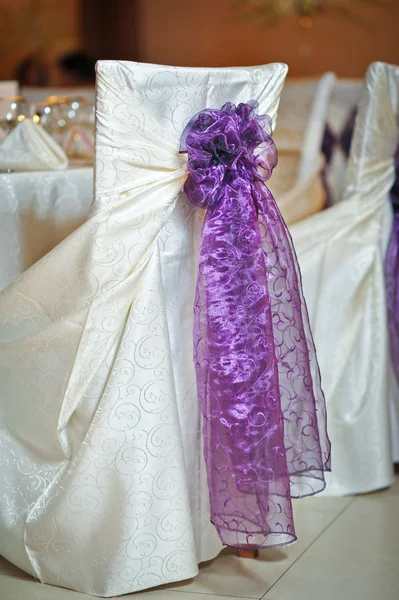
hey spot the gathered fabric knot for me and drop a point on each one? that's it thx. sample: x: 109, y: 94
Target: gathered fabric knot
x: 231, y: 146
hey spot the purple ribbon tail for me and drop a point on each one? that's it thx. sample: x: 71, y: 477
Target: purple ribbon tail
x: 265, y: 437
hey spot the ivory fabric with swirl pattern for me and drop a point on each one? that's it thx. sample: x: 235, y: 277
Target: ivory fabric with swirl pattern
x: 341, y: 253
x: 103, y: 486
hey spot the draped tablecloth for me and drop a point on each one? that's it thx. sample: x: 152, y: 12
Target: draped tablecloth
x: 37, y: 211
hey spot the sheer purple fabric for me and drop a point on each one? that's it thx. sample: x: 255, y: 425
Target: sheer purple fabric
x: 392, y: 274
x: 265, y: 438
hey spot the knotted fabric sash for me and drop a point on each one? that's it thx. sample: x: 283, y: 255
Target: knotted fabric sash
x: 265, y: 438
x: 392, y: 274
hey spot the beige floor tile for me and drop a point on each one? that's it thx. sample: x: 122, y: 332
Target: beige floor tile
x: 232, y: 576
x: 17, y: 585
x: 176, y: 595
x: 393, y: 491
x: 356, y: 558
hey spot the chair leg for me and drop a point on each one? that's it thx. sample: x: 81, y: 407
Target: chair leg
x: 241, y: 553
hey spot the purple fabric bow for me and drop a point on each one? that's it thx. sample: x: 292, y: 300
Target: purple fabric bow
x: 265, y: 438
x: 332, y: 141
x: 392, y: 274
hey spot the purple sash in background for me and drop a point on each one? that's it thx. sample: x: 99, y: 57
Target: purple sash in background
x: 331, y: 141
x: 392, y: 274
x: 265, y: 437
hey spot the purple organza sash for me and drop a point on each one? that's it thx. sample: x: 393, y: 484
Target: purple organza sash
x: 265, y: 438
x: 392, y: 274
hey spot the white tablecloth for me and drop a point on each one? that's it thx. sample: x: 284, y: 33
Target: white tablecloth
x: 37, y: 211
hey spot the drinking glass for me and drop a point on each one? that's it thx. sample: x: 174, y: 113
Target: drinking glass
x: 13, y: 110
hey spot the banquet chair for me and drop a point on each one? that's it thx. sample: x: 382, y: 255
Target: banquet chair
x: 297, y: 182
x: 103, y: 484
x: 339, y: 133
x: 341, y: 253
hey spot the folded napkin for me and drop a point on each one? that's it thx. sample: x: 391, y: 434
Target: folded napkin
x: 30, y: 148
x: 79, y: 143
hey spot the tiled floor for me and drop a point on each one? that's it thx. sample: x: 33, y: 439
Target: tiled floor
x: 348, y: 549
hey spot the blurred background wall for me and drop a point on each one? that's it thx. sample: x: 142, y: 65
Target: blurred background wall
x: 47, y: 28
x: 208, y: 32
x: 195, y: 32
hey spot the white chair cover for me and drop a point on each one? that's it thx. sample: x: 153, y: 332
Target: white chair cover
x: 341, y: 253
x: 102, y: 487
x: 297, y: 182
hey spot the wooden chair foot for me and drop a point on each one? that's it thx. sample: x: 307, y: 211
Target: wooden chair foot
x: 247, y: 553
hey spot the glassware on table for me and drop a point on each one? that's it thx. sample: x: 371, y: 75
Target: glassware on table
x: 50, y: 114
x: 13, y: 110
x: 78, y: 142
x: 70, y: 121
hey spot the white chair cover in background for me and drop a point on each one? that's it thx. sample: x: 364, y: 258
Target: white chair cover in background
x: 341, y: 253
x: 344, y: 102
x: 297, y: 181
x: 103, y: 486
x: 37, y: 212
